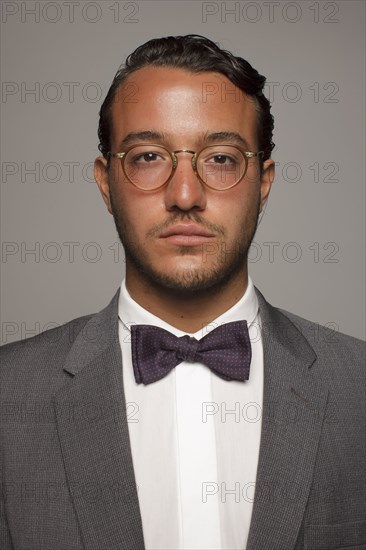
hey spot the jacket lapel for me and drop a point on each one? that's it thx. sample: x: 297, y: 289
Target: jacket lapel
x: 93, y: 433
x: 293, y: 411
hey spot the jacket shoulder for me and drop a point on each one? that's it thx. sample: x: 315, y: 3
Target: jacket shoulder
x: 39, y: 360
x: 292, y: 327
x: 336, y: 354
x: 326, y: 339
x: 36, y: 366
x: 47, y: 340
x: 312, y: 327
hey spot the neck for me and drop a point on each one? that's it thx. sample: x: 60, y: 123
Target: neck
x: 188, y: 312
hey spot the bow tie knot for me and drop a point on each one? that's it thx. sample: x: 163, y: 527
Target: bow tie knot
x: 186, y: 350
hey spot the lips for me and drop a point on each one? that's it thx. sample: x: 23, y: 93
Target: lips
x: 187, y: 235
x: 188, y: 230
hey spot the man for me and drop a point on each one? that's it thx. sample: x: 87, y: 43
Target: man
x: 189, y: 413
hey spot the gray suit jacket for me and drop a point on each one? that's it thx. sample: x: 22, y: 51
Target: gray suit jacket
x: 66, y: 467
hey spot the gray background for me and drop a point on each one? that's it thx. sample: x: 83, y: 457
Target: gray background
x: 313, y: 56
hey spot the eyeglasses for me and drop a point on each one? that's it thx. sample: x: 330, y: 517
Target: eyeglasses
x: 149, y: 166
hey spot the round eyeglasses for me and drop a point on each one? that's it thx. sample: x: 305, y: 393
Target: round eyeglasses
x: 149, y: 166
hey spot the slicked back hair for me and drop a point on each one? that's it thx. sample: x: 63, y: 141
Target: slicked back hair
x: 196, y: 54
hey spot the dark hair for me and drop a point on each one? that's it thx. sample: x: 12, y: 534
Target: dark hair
x: 197, y: 54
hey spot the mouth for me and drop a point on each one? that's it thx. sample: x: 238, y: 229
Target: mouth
x: 187, y: 235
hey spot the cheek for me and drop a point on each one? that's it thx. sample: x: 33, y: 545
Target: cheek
x: 236, y: 206
x: 140, y: 211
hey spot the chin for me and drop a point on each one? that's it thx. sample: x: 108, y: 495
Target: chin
x: 189, y: 280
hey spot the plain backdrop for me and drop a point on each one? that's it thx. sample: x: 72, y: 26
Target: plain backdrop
x: 60, y: 252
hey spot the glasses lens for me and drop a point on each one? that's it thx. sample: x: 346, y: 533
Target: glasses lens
x: 148, y: 166
x: 221, y: 166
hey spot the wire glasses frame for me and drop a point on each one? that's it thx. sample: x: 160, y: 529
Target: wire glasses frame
x: 245, y: 155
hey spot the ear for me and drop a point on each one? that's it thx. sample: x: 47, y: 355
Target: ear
x: 102, y: 178
x: 267, y: 178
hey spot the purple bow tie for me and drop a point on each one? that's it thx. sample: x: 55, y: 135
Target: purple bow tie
x: 226, y: 350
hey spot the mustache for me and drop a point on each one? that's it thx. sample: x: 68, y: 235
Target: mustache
x: 189, y: 217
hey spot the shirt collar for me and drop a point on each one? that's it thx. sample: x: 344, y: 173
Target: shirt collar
x: 130, y: 312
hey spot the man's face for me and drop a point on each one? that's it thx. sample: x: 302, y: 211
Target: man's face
x: 184, y: 236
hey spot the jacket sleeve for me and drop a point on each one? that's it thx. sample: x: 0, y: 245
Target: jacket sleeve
x: 5, y: 538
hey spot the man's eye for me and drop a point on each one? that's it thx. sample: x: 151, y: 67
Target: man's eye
x: 146, y: 157
x: 222, y: 159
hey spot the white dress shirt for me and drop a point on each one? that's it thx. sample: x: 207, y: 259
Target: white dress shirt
x: 194, y: 439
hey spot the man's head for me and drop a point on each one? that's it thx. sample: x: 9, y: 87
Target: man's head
x: 184, y: 94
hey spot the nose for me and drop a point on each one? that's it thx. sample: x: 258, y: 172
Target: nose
x: 185, y: 191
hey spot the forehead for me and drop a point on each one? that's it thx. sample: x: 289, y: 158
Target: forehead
x: 183, y: 105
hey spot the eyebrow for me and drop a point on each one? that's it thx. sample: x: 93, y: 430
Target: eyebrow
x: 162, y: 137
